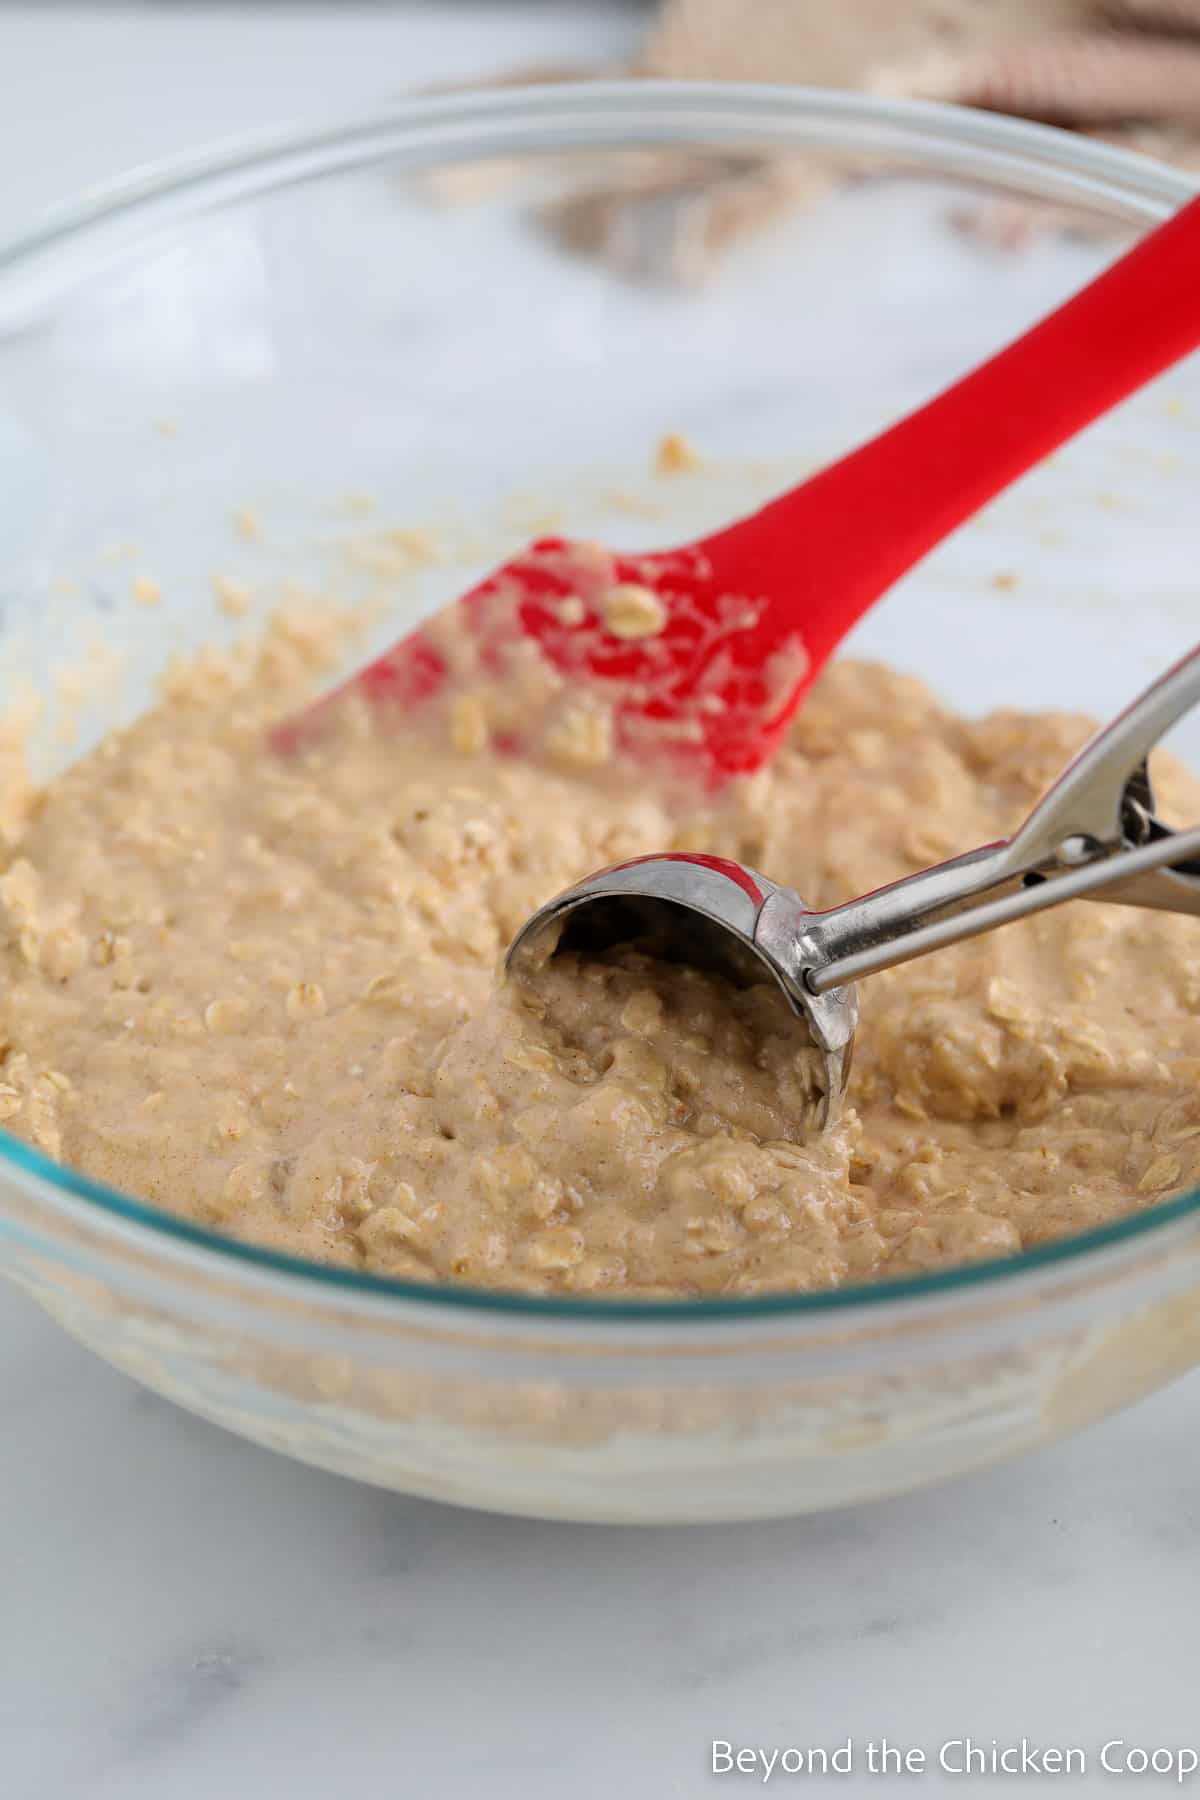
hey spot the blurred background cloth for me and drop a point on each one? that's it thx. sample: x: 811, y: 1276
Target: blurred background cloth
x: 1127, y: 71
x: 142, y: 81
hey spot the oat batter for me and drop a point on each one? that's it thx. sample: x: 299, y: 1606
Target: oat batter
x: 261, y: 991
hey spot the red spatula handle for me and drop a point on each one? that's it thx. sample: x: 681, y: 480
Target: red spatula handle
x: 858, y: 526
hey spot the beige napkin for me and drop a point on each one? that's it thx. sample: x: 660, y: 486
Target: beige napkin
x: 1126, y: 70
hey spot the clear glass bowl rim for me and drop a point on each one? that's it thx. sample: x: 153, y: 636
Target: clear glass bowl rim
x: 71, y: 243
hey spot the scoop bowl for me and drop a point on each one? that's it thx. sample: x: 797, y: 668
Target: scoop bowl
x: 718, y: 916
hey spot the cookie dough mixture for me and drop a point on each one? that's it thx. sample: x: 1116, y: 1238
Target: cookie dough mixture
x: 260, y: 990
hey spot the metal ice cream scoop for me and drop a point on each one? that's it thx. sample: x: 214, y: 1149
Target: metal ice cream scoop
x: 1093, y: 835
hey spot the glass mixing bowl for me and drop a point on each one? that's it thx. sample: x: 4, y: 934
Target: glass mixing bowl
x: 210, y: 362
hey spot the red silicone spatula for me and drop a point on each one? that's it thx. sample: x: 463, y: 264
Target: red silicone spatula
x: 748, y: 616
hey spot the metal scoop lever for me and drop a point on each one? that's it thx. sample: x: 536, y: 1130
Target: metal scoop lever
x: 1100, y: 878
x: 1095, y: 834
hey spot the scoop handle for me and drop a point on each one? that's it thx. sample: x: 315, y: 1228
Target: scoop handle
x: 855, y: 528
x: 1075, y: 843
x: 1110, y: 872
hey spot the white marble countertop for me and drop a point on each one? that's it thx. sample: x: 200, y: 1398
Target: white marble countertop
x: 186, y: 1616
x: 182, y: 1615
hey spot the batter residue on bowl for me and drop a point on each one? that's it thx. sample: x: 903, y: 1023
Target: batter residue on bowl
x: 261, y: 991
